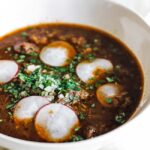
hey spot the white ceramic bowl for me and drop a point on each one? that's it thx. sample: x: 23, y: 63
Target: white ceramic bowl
x: 102, y: 14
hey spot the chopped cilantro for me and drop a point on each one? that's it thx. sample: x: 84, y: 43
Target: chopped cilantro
x: 95, y: 49
x: 33, y: 54
x: 120, y: 118
x: 74, y: 62
x: 76, y: 138
x: 69, y: 84
x: 109, y: 100
x: 90, y: 57
x: 82, y: 116
x: 77, y: 129
x: 10, y: 114
x: 71, y: 68
x: 34, y: 61
x: 10, y: 105
x: 92, y: 79
x: 99, y: 82
x: 38, y: 83
x: 19, y: 58
x: 24, y: 34
x: 110, y: 79
x: 60, y: 69
x: 78, y: 57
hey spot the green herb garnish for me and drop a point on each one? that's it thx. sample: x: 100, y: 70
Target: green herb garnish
x: 33, y: 54
x: 99, y: 82
x: 120, y: 118
x: 76, y: 138
x: 110, y: 79
x: 82, y: 116
x: 109, y: 100
x: 90, y: 57
x: 60, y: 69
x: 95, y: 49
x: 24, y: 34
x: 10, y: 114
x: 77, y: 129
x: 19, y: 58
x: 10, y: 105
x: 69, y: 84
x: 38, y: 83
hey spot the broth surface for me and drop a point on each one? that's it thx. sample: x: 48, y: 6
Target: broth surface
x: 89, y: 43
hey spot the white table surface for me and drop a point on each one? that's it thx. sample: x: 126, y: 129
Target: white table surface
x: 137, y: 137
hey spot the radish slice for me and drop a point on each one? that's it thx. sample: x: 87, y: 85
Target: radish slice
x: 26, y: 108
x: 8, y: 70
x: 57, y: 53
x: 103, y: 64
x: 84, y: 71
x: 56, y: 122
x: 95, y: 69
x: 107, y: 93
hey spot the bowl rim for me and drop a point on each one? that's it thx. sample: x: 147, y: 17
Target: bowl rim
x: 98, y: 138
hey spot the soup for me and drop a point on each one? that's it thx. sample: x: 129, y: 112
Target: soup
x: 65, y: 82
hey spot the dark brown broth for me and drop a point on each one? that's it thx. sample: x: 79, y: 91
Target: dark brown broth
x: 103, y: 119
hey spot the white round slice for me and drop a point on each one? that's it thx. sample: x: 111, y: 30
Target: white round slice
x: 56, y: 122
x: 107, y: 92
x: 103, y: 64
x: 84, y: 71
x: 87, y: 70
x: 26, y: 108
x: 57, y: 53
x: 8, y: 70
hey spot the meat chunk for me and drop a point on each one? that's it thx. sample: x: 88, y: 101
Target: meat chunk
x: 87, y: 50
x: 79, y: 40
x: 89, y: 131
x: 26, y: 48
x: 73, y: 97
x: 82, y: 94
x: 39, y: 39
